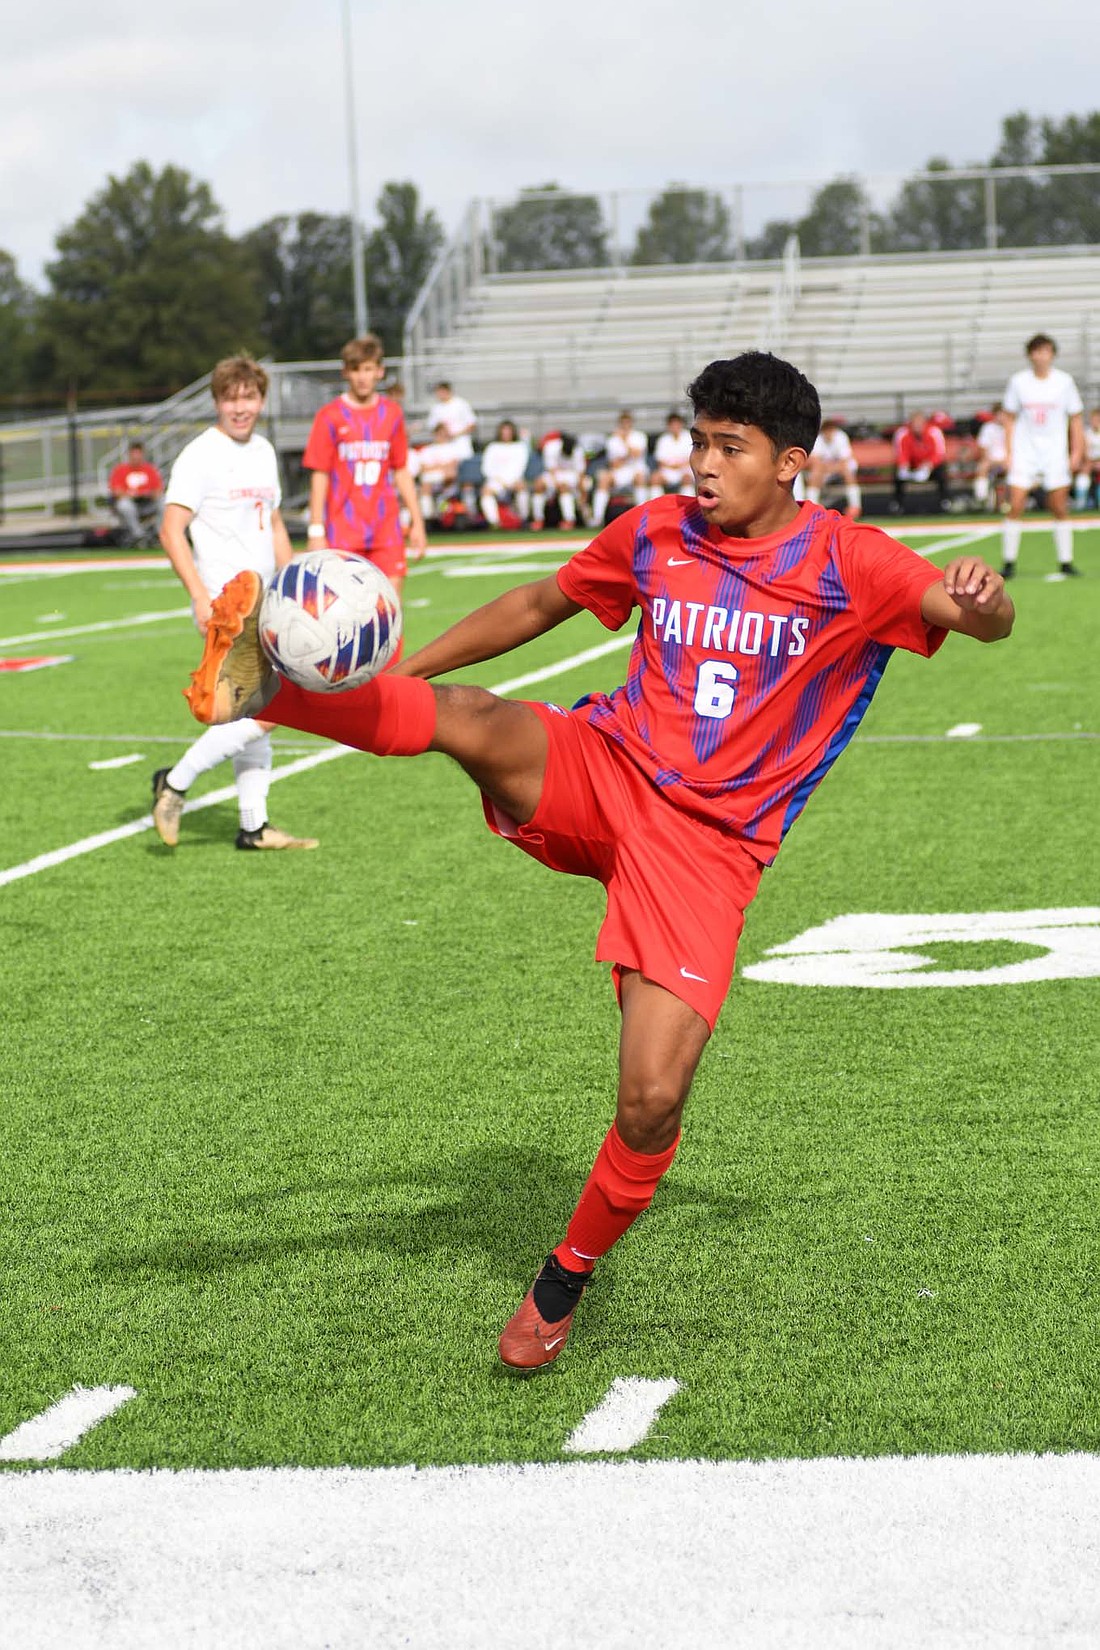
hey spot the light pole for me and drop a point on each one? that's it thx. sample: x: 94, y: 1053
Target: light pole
x: 358, y: 266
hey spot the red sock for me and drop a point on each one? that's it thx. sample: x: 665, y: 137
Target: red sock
x: 621, y: 1185
x: 391, y: 715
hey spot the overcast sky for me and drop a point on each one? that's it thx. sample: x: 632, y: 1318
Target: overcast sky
x: 480, y: 97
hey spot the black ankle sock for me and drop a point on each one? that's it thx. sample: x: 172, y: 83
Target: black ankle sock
x: 557, y: 1290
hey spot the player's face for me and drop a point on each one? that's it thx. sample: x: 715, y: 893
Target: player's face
x: 739, y: 479
x: 238, y: 411
x: 1042, y: 359
x: 363, y: 380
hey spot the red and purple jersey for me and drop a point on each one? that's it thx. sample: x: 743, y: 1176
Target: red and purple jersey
x: 358, y: 448
x: 755, y: 659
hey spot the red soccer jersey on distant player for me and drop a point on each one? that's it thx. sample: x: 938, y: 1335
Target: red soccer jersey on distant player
x: 755, y: 659
x: 358, y: 448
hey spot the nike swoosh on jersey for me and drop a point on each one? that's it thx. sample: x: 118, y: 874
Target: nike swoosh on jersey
x: 673, y: 562
x: 688, y: 975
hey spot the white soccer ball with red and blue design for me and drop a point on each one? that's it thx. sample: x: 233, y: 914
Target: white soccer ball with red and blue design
x: 330, y: 621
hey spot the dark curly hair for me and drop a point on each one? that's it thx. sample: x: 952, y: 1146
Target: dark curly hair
x: 759, y: 389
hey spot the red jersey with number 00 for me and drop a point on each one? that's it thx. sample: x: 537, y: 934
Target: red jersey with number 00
x: 755, y: 659
x: 358, y: 448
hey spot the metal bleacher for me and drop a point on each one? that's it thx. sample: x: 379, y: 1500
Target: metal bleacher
x: 878, y: 335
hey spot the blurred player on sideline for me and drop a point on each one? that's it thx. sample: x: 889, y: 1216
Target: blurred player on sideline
x: 224, y: 492
x: 136, y: 488
x: 504, y: 473
x: 671, y: 472
x: 627, y: 469
x: 1087, y: 478
x: 764, y: 630
x: 831, y: 457
x: 358, y: 453
x: 564, y: 478
x: 992, y: 463
x: 1042, y: 419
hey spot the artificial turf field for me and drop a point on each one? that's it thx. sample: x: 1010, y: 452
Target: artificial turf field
x: 286, y: 1137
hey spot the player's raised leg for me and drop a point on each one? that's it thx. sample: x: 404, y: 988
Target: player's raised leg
x: 660, y: 1045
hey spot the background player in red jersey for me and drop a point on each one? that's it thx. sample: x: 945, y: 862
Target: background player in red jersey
x: 764, y: 629
x: 358, y: 452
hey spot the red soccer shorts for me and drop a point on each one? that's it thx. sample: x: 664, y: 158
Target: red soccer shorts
x: 677, y: 888
x: 390, y: 559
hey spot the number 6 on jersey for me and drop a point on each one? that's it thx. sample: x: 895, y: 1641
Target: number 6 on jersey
x: 715, y: 689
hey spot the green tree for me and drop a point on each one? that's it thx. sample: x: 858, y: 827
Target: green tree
x: 147, y: 288
x: 839, y: 215
x: 1059, y: 211
x: 400, y: 252
x: 17, y: 317
x: 685, y: 226
x: 302, y: 269
x: 936, y: 217
x: 546, y: 228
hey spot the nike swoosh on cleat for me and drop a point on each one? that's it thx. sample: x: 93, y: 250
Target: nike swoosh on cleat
x: 672, y: 562
x: 550, y: 1345
x: 688, y: 975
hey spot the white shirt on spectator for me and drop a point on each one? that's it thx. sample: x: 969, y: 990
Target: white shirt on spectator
x: 993, y: 441
x: 505, y: 462
x: 448, y: 418
x: 673, y: 452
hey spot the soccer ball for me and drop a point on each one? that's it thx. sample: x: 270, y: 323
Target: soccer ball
x: 330, y: 622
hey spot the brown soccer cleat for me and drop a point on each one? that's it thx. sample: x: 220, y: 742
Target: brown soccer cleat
x: 270, y: 836
x: 529, y: 1342
x: 167, y: 808
x: 234, y: 678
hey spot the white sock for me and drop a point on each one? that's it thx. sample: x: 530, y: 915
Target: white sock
x: 641, y: 495
x: 1011, y: 541
x: 215, y: 745
x: 490, y: 509
x: 521, y: 503
x: 538, y: 506
x: 981, y: 488
x: 854, y: 496
x: 1063, y: 542
x: 252, y: 771
x: 568, y: 507
x: 599, y: 505
x: 1080, y: 490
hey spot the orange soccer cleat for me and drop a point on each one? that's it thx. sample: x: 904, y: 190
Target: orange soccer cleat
x: 234, y: 678
x: 529, y: 1341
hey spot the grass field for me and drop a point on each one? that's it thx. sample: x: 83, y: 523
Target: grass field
x: 285, y: 1137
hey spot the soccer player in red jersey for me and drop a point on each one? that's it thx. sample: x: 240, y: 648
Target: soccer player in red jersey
x: 358, y: 453
x: 764, y: 629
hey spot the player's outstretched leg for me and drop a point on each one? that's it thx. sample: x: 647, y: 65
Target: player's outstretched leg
x: 660, y: 1046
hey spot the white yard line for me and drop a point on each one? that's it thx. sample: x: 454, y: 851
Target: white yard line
x: 957, y: 541
x: 564, y: 665
x: 978, y: 738
x: 963, y: 730
x: 110, y: 762
x: 57, y: 1429
x: 47, y: 736
x: 622, y: 1418
x: 994, y: 1552
x: 131, y: 623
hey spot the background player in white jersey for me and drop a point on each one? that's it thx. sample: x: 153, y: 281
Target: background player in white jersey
x: 1086, y: 479
x: 671, y: 471
x: 1042, y: 418
x: 627, y: 467
x: 224, y: 492
x: 831, y: 458
x: 564, y: 477
x: 992, y: 463
x: 504, y: 473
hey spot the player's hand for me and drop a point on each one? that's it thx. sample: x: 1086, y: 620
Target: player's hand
x: 418, y: 542
x: 973, y: 585
x: 201, y: 607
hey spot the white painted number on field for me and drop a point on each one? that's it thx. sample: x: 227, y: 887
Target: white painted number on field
x: 64, y: 1424
x: 876, y: 950
x: 622, y: 1418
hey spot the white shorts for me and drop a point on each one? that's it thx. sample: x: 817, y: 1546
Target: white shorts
x: 672, y: 475
x: 631, y: 474
x: 1031, y: 469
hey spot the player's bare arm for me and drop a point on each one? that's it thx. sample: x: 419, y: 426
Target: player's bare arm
x: 1009, y: 421
x: 514, y: 618
x: 283, y: 547
x: 177, y: 547
x: 406, y: 492
x: 970, y: 600
x: 1076, y: 443
x: 318, y: 497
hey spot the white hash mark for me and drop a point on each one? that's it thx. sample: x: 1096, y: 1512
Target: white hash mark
x: 623, y: 1416
x: 57, y: 1429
